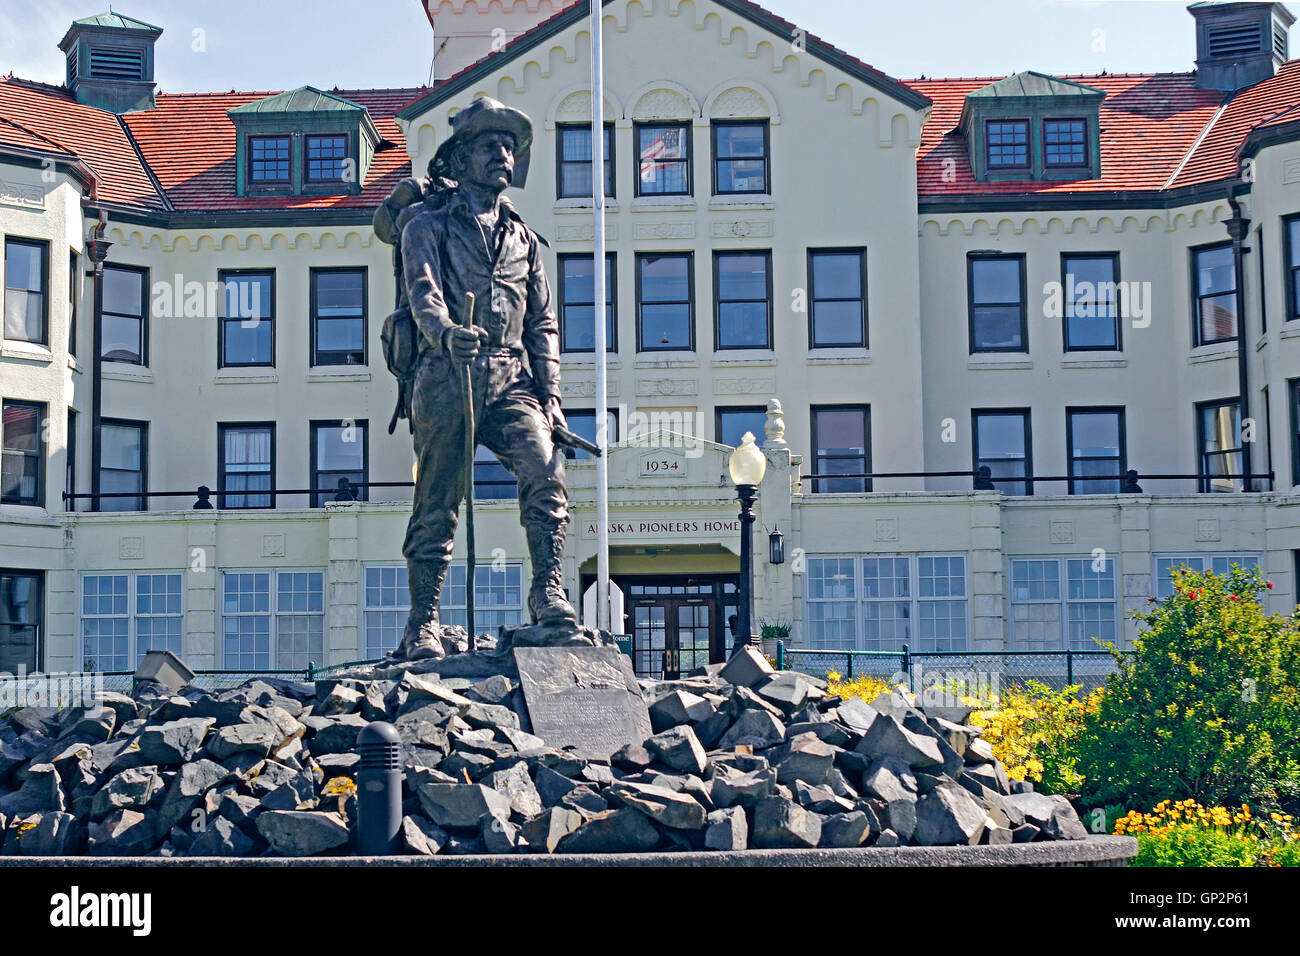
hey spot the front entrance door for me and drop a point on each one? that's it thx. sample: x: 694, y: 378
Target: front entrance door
x: 677, y: 623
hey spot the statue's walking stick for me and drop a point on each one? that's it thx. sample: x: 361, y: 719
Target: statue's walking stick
x: 467, y: 385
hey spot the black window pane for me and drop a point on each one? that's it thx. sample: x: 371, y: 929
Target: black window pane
x: 997, y: 309
x: 326, y: 158
x: 840, y: 448
x: 121, y: 466
x: 577, y: 283
x: 583, y: 424
x: 268, y: 159
x: 838, y: 307
x: 1091, y: 304
x: 1007, y: 144
x: 665, y: 311
x: 23, y: 455
x: 1065, y: 142
x: 246, y: 467
x: 662, y: 157
x: 340, y: 453
x: 1095, y: 451
x: 1000, y: 446
x: 837, y: 275
x: 24, y: 292
x: 995, y: 280
x: 741, y: 158
x: 733, y: 423
x: 339, y: 319
x: 575, y: 162
x: 123, y: 324
x: 742, y: 301
x: 21, y: 620
x: 1220, y: 436
x: 491, y: 480
x: 998, y: 327
x: 246, y: 322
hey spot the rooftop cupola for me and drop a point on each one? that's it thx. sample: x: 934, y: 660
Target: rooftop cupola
x: 1239, y: 44
x: 110, y: 62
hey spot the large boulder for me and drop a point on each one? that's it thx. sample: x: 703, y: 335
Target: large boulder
x: 302, y: 833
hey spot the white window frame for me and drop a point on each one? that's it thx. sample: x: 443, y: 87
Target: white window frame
x: 1063, y: 602
x: 450, y: 613
x: 914, y: 599
x: 131, y: 616
x: 273, y: 614
x: 1207, y: 558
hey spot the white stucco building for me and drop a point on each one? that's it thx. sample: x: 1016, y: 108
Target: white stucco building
x: 906, y: 280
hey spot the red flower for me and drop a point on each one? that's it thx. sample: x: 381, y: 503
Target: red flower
x: 1151, y: 600
x: 1232, y: 597
x: 1192, y: 595
x: 1270, y: 585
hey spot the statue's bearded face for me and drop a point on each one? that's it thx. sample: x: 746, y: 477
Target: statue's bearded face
x: 487, y: 161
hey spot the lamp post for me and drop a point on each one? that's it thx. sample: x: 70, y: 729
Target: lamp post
x: 747, y: 465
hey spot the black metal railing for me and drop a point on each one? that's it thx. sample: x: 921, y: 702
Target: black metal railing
x: 982, y: 478
x: 988, y: 669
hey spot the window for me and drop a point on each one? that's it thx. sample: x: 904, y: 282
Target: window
x: 1263, y: 291
x: 1003, y: 444
x: 246, y: 478
x: 74, y: 299
x: 22, y: 621
x: 665, y: 298
x: 254, y: 637
x: 1214, y: 289
x: 70, y: 463
x: 663, y: 159
x: 247, y: 325
x: 841, y: 437
x: 327, y: 158
x: 573, y: 164
x: 491, y: 479
x: 742, y: 283
x: 124, y: 616
x: 1007, y: 144
x: 881, y: 602
x: 1065, y: 143
x: 837, y: 288
x: 268, y: 161
x: 338, y: 450
x: 1293, y: 391
x: 1047, y: 616
x: 997, y: 303
x: 1220, y: 564
x: 577, y: 303
x: 1091, y: 287
x: 1219, y: 434
x: 338, y: 316
x: 741, y: 157
x: 583, y: 423
x: 1096, y: 440
x: 122, y: 332
x: 731, y: 423
x: 1292, y: 229
x: 498, y: 601
x: 122, y: 465
x: 27, y: 279
x: 22, y: 475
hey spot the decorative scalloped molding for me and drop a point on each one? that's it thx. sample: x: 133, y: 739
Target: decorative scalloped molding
x: 170, y: 241
x: 573, y: 104
x: 1043, y: 223
x: 720, y: 104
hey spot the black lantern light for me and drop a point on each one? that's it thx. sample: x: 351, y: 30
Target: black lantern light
x: 776, y: 547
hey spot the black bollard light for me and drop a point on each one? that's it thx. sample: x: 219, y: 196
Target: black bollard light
x: 379, y: 789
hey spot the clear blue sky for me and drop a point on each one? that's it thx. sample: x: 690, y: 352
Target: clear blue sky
x: 280, y: 44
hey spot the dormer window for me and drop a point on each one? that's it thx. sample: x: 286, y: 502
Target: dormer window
x: 1065, y: 143
x: 303, y: 142
x: 326, y: 158
x: 1033, y: 127
x: 268, y: 161
x: 1008, y: 144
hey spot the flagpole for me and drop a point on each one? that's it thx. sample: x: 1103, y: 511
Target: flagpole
x: 598, y: 315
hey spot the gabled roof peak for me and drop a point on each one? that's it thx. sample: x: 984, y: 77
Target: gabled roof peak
x: 305, y: 99
x: 116, y: 21
x: 1033, y: 83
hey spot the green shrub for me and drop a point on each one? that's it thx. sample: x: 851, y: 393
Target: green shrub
x: 1207, y: 707
x: 1188, y: 834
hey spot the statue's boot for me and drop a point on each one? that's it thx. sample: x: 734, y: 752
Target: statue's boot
x: 546, y: 601
x: 422, y: 637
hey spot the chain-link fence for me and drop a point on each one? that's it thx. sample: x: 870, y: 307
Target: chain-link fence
x: 984, y: 672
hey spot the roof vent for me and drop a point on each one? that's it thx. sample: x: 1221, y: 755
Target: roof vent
x: 110, y: 62
x: 1239, y: 44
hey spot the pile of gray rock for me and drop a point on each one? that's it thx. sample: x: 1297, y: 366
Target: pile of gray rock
x: 741, y: 757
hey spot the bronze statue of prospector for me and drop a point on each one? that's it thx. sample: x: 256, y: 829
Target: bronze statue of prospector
x: 455, y: 233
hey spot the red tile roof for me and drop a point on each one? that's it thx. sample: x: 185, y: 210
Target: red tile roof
x: 37, y: 112
x: 1149, y: 122
x: 189, y: 143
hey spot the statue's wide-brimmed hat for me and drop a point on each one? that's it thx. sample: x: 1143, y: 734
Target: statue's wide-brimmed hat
x: 481, y: 116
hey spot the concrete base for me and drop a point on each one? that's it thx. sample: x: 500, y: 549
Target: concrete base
x: 1094, y: 851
